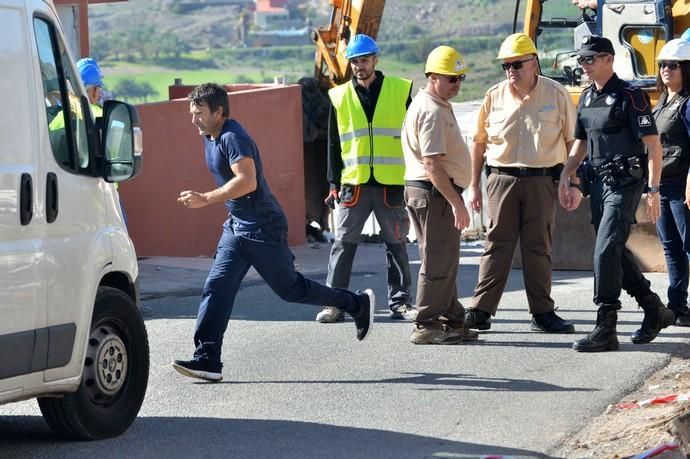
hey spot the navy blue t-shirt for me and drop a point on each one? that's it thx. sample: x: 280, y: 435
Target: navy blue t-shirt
x: 257, y: 211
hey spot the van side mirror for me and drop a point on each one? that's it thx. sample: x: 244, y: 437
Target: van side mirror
x: 122, y: 141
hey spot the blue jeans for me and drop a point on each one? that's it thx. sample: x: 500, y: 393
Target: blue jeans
x: 673, y: 228
x: 237, y: 251
x: 615, y: 268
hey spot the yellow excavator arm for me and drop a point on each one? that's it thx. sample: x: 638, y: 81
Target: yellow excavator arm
x: 348, y: 18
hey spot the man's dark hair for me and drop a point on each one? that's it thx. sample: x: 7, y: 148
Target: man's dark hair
x: 212, y: 95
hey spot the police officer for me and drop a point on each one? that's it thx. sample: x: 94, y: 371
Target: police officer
x: 366, y: 173
x: 614, y: 125
x: 671, y: 115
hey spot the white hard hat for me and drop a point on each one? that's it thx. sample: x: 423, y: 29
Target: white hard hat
x: 675, y: 50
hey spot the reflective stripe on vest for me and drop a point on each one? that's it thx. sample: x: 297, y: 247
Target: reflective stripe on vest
x: 376, y: 146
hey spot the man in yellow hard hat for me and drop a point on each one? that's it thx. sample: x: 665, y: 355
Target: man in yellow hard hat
x: 437, y: 168
x: 525, y: 128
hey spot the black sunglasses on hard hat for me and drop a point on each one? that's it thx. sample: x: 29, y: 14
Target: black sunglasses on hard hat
x: 515, y: 65
x: 671, y: 65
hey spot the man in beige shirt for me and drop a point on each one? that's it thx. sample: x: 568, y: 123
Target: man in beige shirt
x: 524, y: 131
x: 437, y: 168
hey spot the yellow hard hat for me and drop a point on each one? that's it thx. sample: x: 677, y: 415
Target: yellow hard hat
x: 517, y: 44
x: 445, y: 60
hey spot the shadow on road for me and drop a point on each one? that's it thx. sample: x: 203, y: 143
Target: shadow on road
x: 168, y: 437
x: 462, y: 381
x: 167, y: 286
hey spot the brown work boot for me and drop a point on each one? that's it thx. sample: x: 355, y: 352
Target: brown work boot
x: 445, y: 335
x: 467, y: 334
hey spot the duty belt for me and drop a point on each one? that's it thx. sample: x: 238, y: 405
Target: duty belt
x: 525, y: 171
x: 428, y: 186
x: 622, y: 166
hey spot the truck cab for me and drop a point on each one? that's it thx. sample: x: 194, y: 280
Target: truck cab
x: 72, y: 334
x: 637, y: 28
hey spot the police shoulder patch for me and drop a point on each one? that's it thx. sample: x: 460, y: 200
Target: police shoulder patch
x: 644, y: 121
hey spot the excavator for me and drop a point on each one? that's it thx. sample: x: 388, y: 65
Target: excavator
x: 637, y: 28
x: 348, y: 18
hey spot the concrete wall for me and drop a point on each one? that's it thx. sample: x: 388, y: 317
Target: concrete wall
x: 174, y: 161
x: 573, y: 241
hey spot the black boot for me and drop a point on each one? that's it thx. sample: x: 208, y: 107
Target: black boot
x: 603, y: 337
x: 656, y: 317
x: 682, y: 315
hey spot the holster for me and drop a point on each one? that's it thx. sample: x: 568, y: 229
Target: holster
x: 586, y: 175
x: 621, y: 170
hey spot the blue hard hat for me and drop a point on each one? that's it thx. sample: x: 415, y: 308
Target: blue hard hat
x: 686, y: 35
x: 361, y: 45
x: 90, y: 72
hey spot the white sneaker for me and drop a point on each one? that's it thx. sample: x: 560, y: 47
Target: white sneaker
x: 403, y: 312
x: 330, y: 315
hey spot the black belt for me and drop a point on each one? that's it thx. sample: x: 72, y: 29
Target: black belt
x: 524, y: 171
x: 428, y: 186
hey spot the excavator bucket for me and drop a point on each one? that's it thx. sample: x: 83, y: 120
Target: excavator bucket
x: 348, y: 18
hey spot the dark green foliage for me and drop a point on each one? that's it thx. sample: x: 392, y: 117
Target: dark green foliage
x: 130, y: 89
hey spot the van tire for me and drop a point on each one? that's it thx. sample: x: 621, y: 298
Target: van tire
x: 109, y: 397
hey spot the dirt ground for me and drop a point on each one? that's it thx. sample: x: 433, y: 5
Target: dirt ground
x: 626, y: 430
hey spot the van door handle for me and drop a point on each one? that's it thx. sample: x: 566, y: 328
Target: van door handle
x: 26, y: 199
x: 51, y: 197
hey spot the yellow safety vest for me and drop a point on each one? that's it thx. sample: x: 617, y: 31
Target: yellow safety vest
x: 376, y: 146
x: 59, y: 121
x: 97, y: 111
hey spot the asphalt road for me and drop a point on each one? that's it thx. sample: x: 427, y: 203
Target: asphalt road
x: 297, y: 389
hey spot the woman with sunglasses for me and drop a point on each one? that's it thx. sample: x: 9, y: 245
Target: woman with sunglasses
x: 673, y: 122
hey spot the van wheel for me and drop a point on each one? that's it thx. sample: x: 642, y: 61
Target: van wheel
x: 114, y: 377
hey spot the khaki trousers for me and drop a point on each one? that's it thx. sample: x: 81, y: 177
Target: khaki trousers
x: 439, y: 250
x: 521, y: 208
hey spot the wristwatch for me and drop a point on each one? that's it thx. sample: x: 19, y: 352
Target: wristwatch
x: 653, y: 189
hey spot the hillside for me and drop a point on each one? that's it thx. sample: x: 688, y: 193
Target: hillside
x: 143, y: 45
x: 214, y: 26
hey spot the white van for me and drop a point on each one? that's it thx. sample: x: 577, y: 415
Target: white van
x: 71, y: 333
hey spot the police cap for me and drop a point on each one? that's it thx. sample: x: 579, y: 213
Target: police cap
x: 593, y: 44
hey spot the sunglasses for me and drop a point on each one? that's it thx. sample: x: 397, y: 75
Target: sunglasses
x: 455, y: 79
x: 589, y: 60
x: 668, y: 65
x: 516, y: 65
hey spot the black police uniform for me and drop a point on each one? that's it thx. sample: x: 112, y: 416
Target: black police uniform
x: 673, y: 225
x: 613, y: 121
